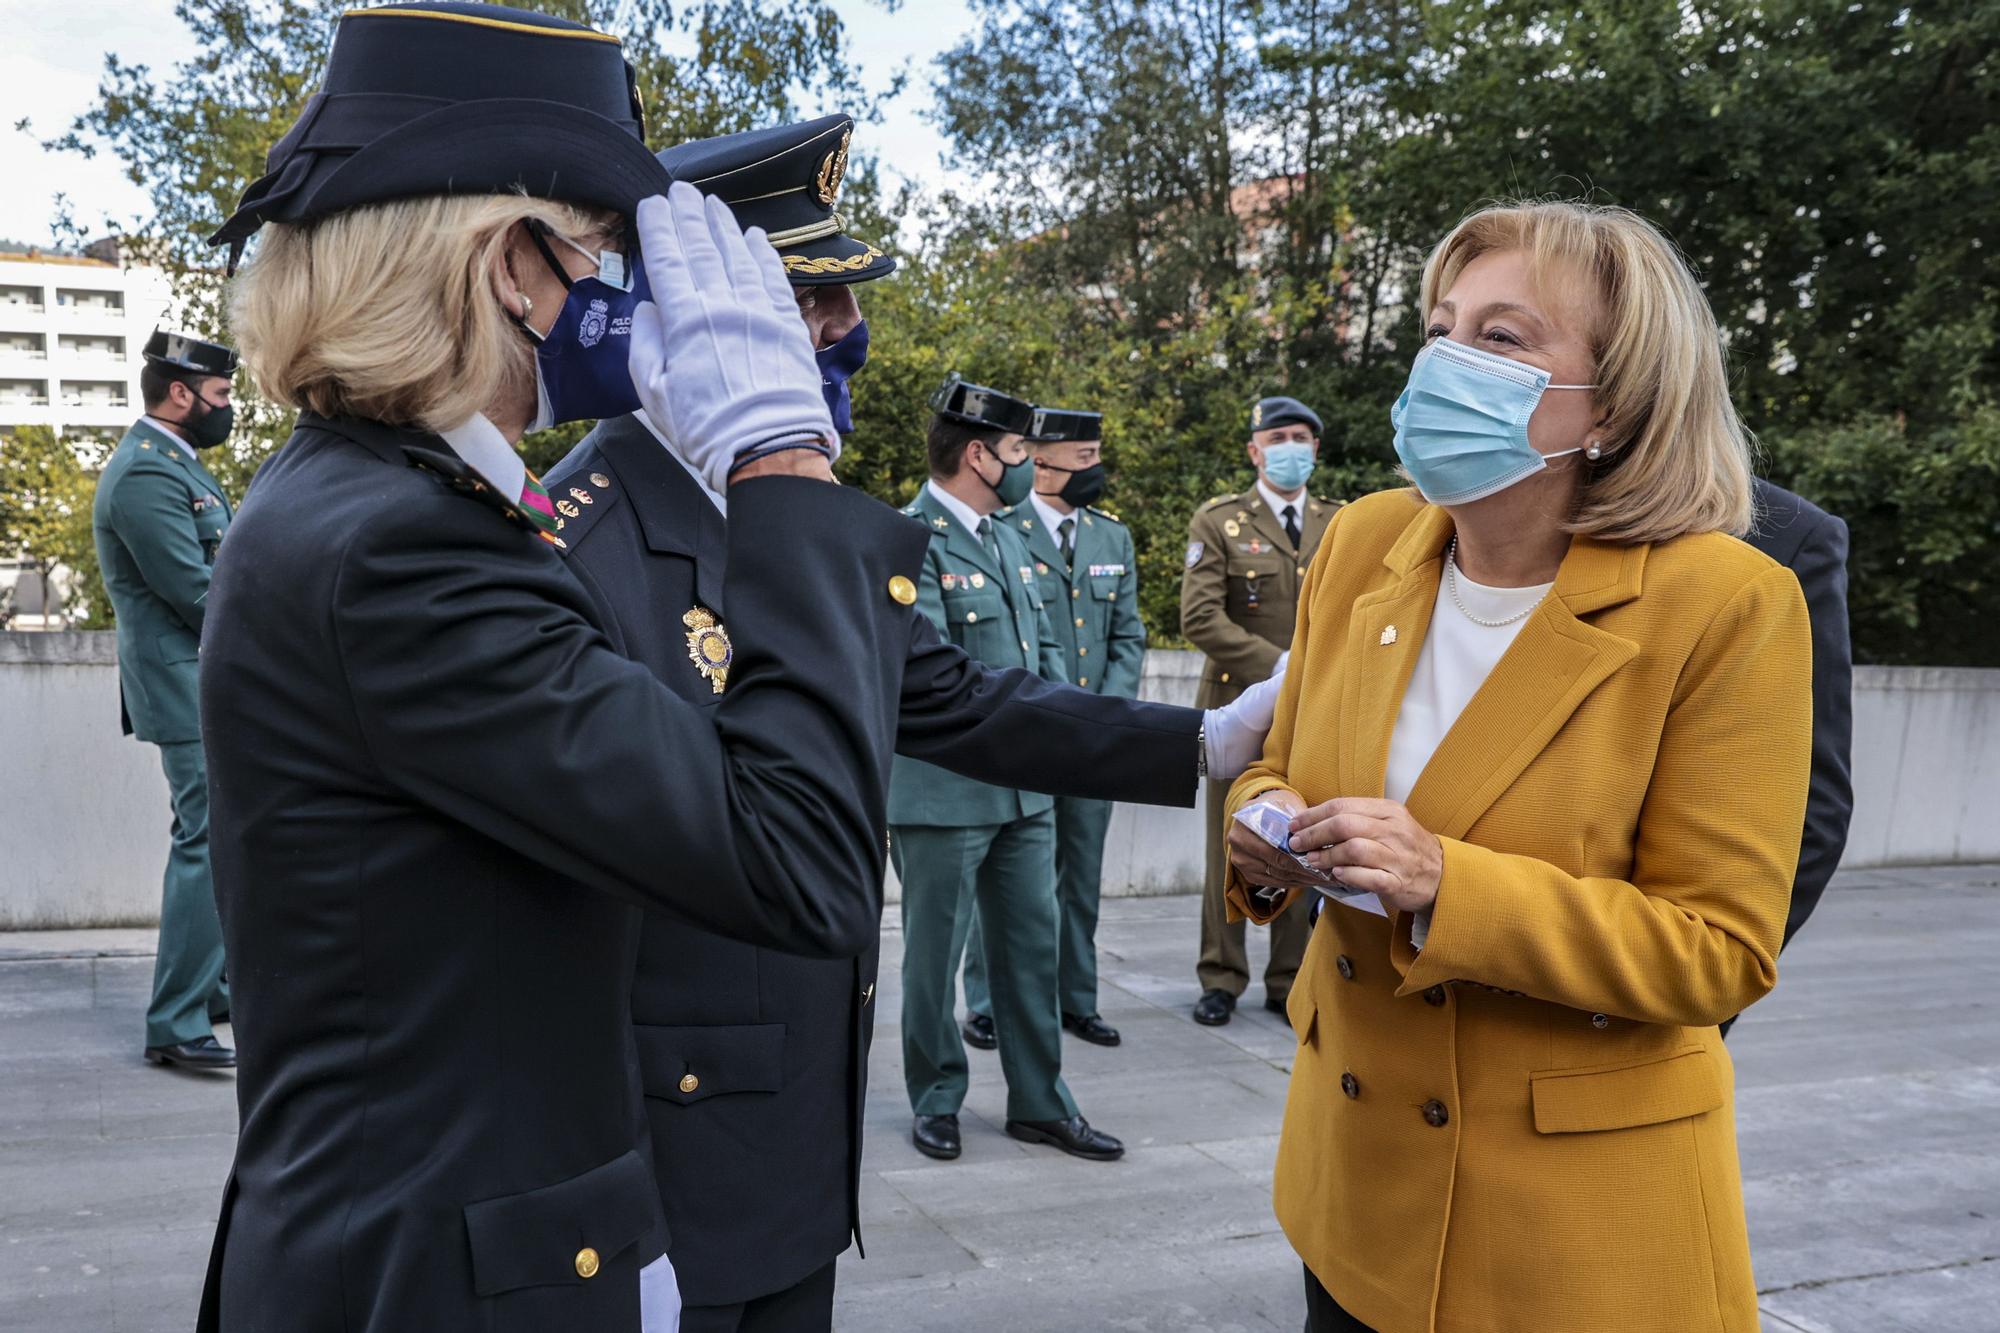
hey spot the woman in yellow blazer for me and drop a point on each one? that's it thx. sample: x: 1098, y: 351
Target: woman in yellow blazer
x: 1553, y: 723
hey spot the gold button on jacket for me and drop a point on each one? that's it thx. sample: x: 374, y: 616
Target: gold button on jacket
x: 586, y: 1262
x: 902, y: 591
x: 1564, y: 1173
x: 689, y: 1083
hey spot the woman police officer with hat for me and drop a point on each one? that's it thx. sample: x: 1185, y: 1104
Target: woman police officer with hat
x: 439, y: 796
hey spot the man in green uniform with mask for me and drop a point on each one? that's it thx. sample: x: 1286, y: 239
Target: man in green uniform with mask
x: 957, y: 843
x: 1089, y: 576
x: 158, y: 519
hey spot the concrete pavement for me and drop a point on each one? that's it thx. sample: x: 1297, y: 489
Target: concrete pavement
x: 1868, y: 1104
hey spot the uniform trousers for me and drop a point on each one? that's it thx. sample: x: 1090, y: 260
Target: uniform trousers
x: 1008, y: 872
x: 188, y: 990
x: 1080, y: 827
x: 1225, y: 960
x: 804, y: 1307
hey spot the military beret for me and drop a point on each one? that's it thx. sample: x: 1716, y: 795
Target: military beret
x: 185, y: 352
x: 786, y: 179
x: 1053, y: 425
x: 445, y: 97
x: 977, y: 405
x: 1274, y: 412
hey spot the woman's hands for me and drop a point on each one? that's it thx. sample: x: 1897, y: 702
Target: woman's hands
x: 1262, y: 864
x: 1371, y: 845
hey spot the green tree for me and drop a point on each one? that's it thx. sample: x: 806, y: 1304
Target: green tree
x: 45, y: 499
x: 195, y: 136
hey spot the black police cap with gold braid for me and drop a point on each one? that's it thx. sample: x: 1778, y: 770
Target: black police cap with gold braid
x: 446, y: 97
x: 786, y: 179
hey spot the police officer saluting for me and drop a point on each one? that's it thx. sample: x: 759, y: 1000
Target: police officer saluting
x: 1089, y: 578
x: 1247, y: 555
x: 158, y: 518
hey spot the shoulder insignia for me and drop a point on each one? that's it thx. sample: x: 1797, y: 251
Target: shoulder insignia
x: 1105, y: 513
x: 1218, y: 500
x: 580, y: 499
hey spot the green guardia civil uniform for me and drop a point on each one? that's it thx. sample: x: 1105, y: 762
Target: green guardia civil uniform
x: 158, y: 519
x: 1093, y: 607
x: 957, y: 843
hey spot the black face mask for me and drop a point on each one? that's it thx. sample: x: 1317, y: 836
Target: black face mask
x: 1084, y: 486
x: 212, y: 427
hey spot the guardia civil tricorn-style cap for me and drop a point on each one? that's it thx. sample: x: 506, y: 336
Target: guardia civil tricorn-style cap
x: 1057, y: 425
x: 787, y: 180
x: 443, y: 97
x: 183, y: 351
x: 977, y: 405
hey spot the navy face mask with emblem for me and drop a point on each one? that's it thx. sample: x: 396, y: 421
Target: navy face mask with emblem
x: 838, y: 364
x: 583, y: 363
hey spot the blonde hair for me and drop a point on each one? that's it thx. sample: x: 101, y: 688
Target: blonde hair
x: 1676, y: 456
x: 388, y: 312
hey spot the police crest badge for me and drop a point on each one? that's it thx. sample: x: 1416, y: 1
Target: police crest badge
x: 596, y: 319
x: 708, y: 647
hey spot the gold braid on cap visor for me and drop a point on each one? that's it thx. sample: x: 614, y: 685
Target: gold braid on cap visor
x: 830, y: 264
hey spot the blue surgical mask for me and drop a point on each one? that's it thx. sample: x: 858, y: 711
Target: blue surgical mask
x: 1462, y: 422
x: 583, y: 363
x: 1288, y: 465
x: 838, y: 364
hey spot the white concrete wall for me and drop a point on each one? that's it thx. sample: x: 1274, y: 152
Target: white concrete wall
x: 83, y: 828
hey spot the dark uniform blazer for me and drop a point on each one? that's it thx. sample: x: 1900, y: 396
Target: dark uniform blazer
x: 1813, y: 545
x: 754, y: 1060
x: 438, y: 794
x: 1240, y: 592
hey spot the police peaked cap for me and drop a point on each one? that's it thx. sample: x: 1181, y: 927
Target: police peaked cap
x: 787, y: 180
x: 976, y: 405
x: 1054, y: 425
x: 440, y: 97
x: 184, y: 352
x: 1273, y: 412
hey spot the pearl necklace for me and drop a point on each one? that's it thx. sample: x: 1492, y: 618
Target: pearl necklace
x: 1451, y: 585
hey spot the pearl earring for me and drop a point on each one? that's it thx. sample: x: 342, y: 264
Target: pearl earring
x: 1594, y: 452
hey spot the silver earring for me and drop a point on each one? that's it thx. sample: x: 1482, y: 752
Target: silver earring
x: 528, y: 308
x: 1594, y: 452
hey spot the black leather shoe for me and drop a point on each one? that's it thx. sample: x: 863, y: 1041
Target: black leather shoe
x: 207, y: 1053
x: 1092, y: 1028
x: 1278, y: 1007
x: 1074, y: 1136
x: 977, y: 1029
x: 936, y: 1136
x: 1214, y: 1007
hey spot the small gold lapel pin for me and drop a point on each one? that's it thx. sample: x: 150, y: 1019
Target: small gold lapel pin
x: 1388, y: 636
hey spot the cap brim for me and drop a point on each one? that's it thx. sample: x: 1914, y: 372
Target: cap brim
x: 835, y: 261
x: 549, y: 149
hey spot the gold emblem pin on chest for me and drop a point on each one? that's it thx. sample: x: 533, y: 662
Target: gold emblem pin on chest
x: 1388, y: 635
x: 708, y: 647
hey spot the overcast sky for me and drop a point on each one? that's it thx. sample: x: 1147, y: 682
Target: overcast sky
x: 54, y: 52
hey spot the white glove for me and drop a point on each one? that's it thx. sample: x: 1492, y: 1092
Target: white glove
x: 722, y: 362
x: 1235, y: 734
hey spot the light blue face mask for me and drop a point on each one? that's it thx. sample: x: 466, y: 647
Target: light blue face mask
x: 1287, y: 465
x: 1462, y: 422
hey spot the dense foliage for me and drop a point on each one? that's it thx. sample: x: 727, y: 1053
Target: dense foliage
x: 1168, y: 208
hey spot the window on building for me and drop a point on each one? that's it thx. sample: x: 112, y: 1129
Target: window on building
x: 91, y: 346
x: 90, y: 300
x: 93, y: 393
x: 14, y: 296
x: 35, y: 346
x: 24, y: 393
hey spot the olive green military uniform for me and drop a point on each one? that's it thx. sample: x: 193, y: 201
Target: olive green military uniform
x: 1093, y: 603
x: 158, y: 519
x: 957, y: 843
x: 1239, y: 601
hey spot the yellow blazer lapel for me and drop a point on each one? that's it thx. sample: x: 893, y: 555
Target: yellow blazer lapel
x: 1386, y: 630
x: 1545, y: 675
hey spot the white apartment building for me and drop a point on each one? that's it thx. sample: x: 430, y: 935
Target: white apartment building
x: 72, y: 328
